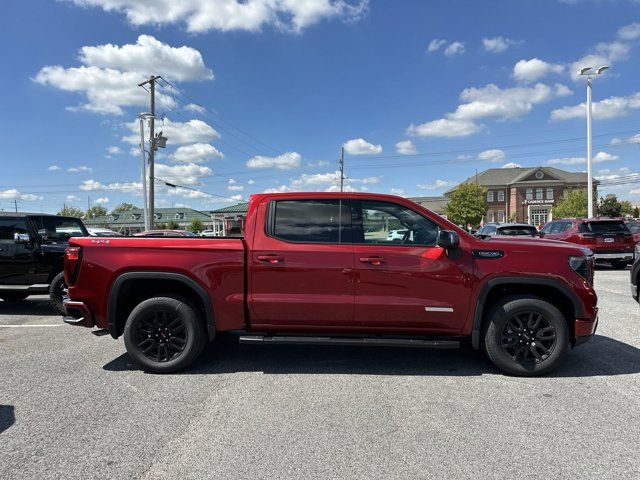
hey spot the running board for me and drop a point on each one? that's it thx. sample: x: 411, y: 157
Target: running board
x: 368, y: 341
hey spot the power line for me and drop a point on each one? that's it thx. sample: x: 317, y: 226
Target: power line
x: 175, y: 185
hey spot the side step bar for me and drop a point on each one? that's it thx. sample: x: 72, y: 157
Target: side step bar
x: 370, y: 341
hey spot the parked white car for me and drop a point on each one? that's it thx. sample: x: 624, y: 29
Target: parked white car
x: 103, y: 232
x: 398, y: 235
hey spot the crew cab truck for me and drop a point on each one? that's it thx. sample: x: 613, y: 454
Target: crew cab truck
x: 319, y: 268
x: 32, y: 247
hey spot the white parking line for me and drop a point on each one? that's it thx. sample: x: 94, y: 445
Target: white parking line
x: 27, y: 326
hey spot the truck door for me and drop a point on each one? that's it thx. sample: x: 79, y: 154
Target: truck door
x: 301, y: 267
x: 407, y: 283
x: 17, y: 262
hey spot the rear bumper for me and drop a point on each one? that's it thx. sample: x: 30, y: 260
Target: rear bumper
x: 584, y: 329
x: 77, y: 313
x: 614, y: 256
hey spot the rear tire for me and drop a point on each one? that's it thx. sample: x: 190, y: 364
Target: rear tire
x: 164, y: 334
x: 13, y: 297
x: 526, y: 336
x: 57, y: 291
x: 619, y: 264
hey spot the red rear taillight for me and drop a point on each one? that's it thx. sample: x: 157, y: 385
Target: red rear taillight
x: 71, y: 263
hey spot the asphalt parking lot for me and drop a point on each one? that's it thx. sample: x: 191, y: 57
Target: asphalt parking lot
x: 73, y: 406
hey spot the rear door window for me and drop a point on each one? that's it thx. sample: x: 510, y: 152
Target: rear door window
x: 312, y: 221
x: 10, y: 226
x: 521, y: 230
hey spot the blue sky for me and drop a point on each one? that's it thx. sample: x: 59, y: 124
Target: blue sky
x: 263, y: 94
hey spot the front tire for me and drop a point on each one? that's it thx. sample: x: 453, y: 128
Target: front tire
x: 164, y: 334
x: 57, y: 291
x: 526, y: 336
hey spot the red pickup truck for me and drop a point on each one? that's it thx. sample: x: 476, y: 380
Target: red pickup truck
x: 321, y: 268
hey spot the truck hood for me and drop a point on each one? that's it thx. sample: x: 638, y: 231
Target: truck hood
x: 530, y: 244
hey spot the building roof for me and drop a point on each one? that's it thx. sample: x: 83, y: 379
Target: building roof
x: 239, y: 208
x: 507, y: 176
x: 436, y: 204
x: 136, y: 216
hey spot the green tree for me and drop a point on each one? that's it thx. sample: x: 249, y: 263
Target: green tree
x: 467, y: 205
x: 172, y: 225
x: 96, y: 211
x: 627, y: 208
x: 196, y: 225
x: 574, y: 204
x: 123, y: 207
x: 609, y: 206
x: 68, y: 211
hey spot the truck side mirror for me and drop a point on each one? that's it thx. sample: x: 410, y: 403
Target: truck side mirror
x: 448, y: 239
x: 21, y: 238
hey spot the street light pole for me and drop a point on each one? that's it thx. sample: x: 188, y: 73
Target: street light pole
x: 589, y: 162
x: 143, y: 166
x: 588, y: 72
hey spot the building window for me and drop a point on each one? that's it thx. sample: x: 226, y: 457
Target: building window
x: 501, y: 195
x: 539, y: 193
x: 501, y: 216
x: 529, y: 194
x: 490, y: 196
x: 490, y: 217
x: 179, y: 216
x: 157, y: 216
x: 549, y: 193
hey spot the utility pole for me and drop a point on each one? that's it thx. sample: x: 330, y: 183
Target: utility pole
x: 15, y: 201
x: 341, y: 169
x: 88, y: 203
x: 152, y: 145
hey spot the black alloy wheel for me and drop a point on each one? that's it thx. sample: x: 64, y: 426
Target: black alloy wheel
x: 161, y: 336
x: 529, y: 338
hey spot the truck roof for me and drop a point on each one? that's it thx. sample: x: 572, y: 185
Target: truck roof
x: 258, y: 196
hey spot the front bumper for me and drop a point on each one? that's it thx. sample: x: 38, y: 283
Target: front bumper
x: 77, y: 313
x: 614, y: 256
x: 585, y: 328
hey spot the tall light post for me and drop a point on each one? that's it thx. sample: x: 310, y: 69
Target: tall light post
x: 588, y: 72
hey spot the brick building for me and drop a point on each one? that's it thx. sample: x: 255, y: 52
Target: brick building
x: 525, y: 194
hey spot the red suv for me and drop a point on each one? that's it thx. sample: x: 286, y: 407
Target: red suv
x: 608, y: 238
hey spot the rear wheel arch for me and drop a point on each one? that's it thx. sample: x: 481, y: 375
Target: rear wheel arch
x: 548, y: 289
x: 131, y: 288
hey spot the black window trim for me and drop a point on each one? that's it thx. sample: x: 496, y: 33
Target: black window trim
x: 270, y: 224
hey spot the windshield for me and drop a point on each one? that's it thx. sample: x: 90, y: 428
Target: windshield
x: 615, y: 226
x: 522, y: 230
x: 58, y: 229
x: 634, y: 227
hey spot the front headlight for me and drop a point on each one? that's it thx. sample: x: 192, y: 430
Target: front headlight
x: 583, y: 266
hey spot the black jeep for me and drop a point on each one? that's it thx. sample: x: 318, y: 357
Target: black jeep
x: 32, y: 249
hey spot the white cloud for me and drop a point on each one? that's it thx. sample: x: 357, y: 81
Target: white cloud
x: 13, y: 194
x: 464, y: 156
x: 147, y: 56
x: 319, y: 163
x: 114, y: 150
x: 629, y: 32
x: 436, y: 44
x: 528, y: 71
x: 497, y: 44
x: 601, y: 54
x: 251, y: 182
x: 178, y: 133
x: 488, y: 102
x: 359, y: 146
x: 225, y: 15
x: 406, y: 147
x: 237, y: 198
x: 189, y: 174
x: 397, y: 191
x: 235, y: 188
x: 493, y: 155
x: 278, y: 189
x: 232, y: 181
x: 72, y: 198
x: 609, y: 108
x: 102, y: 200
x: 194, y: 107
x: 109, y: 75
x: 631, y: 140
x: 597, y: 158
x: 53, y: 168
x: 285, y: 161
x: 329, y: 180
x: 612, y: 174
x: 196, y: 153
x: 444, y: 127
x: 511, y: 165
x: 437, y: 185
x: 186, y: 193
x: 454, y: 48
x: 126, y: 187
x: 81, y: 168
